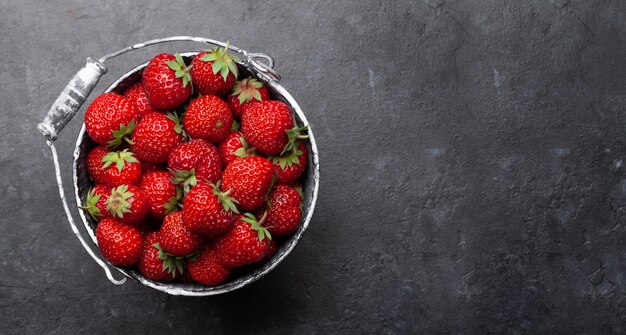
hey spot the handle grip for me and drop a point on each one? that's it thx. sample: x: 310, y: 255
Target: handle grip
x: 71, y: 99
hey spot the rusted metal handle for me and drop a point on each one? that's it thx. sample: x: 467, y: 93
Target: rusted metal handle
x: 71, y: 99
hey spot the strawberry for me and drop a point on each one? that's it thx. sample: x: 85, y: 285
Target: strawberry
x: 128, y: 204
x: 150, y: 265
x: 208, y: 211
x: 233, y: 147
x: 166, y: 81
x: 155, y: 136
x: 284, y: 212
x: 208, y: 117
x: 162, y: 195
x: 206, y: 268
x: 177, y: 240
x: 247, y: 243
x: 246, y: 92
x: 268, y: 125
x: 137, y: 96
x: 120, y: 167
x: 96, y: 203
x: 271, y: 251
x: 120, y: 244
x: 110, y: 119
x: 94, y: 163
x: 214, y: 71
x: 290, y: 165
x: 195, y: 160
x: 248, y: 179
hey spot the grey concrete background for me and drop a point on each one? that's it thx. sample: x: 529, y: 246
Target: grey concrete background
x: 472, y: 152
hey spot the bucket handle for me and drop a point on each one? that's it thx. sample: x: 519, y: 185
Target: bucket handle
x: 85, y: 80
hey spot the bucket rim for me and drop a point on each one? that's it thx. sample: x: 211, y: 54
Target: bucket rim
x: 198, y: 289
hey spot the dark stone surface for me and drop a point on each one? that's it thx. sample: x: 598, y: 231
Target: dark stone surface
x: 472, y: 152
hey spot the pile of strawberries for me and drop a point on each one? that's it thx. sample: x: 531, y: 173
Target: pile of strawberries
x: 195, y: 171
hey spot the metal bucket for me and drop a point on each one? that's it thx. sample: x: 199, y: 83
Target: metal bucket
x: 74, y: 95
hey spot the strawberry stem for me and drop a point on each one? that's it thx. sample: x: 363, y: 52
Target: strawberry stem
x: 294, y: 134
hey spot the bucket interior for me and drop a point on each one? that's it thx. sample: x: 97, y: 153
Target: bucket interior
x: 240, y: 276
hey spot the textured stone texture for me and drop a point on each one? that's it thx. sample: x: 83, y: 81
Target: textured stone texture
x: 472, y: 152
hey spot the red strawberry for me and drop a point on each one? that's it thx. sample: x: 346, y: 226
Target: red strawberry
x: 149, y: 263
x: 176, y: 239
x: 96, y: 203
x: 246, y: 92
x: 208, y: 117
x: 268, y: 125
x: 247, y: 243
x: 214, y: 71
x: 271, y: 251
x: 110, y: 119
x: 155, y: 136
x: 248, y: 179
x: 166, y: 81
x: 120, y: 244
x: 162, y: 195
x: 290, y: 165
x: 128, y: 204
x: 283, y: 213
x: 137, y: 96
x: 208, y: 211
x: 206, y: 268
x: 94, y: 163
x: 120, y: 167
x: 195, y: 160
x: 233, y: 147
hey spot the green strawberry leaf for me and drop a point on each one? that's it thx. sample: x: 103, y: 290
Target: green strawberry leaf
x: 117, y: 203
x: 223, y: 62
x: 174, y: 202
x: 178, y: 123
x: 209, y: 57
x: 90, y: 204
x: 294, y: 134
x: 179, y: 59
x: 228, y: 202
x: 119, y: 158
x: 216, y: 66
x: 186, y: 178
x: 247, y: 89
x: 241, y: 152
x: 122, y: 134
x: 171, y: 264
x: 179, y: 266
x: 181, y: 70
x: 262, y: 232
x: 174, y: 65
x: 236, y: 125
